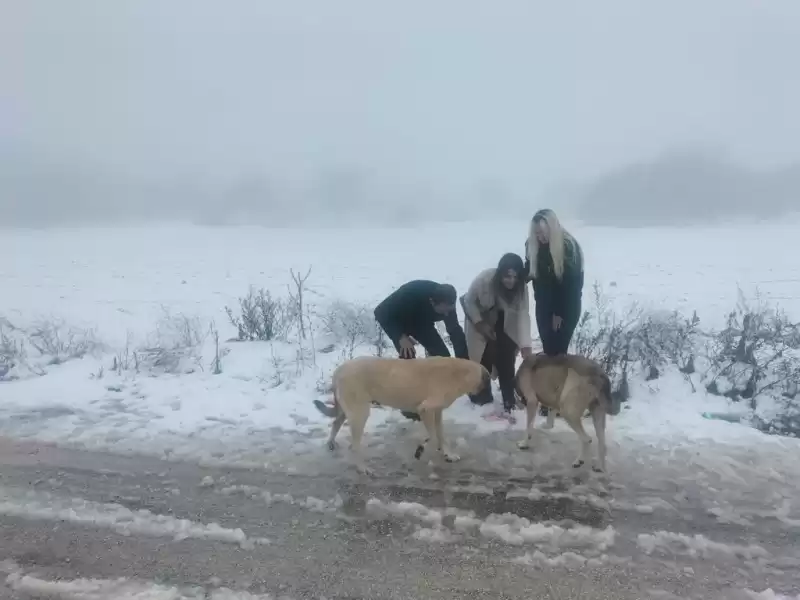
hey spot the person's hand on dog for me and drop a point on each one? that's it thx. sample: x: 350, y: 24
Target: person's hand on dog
x: 526, y: 352
x: 407, y: 347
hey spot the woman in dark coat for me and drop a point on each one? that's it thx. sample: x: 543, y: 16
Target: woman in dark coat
x: 555, y: 267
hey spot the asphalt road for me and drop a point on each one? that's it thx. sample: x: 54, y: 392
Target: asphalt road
x: 344, y: 542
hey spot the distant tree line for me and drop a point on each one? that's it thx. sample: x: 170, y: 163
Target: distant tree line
x: 688, y: 188
x: 675, y: 189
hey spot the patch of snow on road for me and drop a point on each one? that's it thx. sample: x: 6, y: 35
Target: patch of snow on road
x: 698, y: 546
x: 507, y: 528
x: 516, y: 530
x: 27, y: 504
x: 567, y: 559
x: 768, y: 594
x: 113, y: 589
x: 309, y: 502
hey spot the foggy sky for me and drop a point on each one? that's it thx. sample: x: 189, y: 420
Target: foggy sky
x: 521, y: 91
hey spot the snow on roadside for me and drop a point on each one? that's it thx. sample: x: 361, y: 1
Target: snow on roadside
x: 699, y: 546
x: 768, y: 594
x: 309, y: 502
x: 118, y: 589
x: 33, y: 505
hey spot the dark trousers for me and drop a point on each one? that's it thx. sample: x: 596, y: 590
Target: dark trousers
x: 434, y: 345
x: 555, y: 342
x: 500, y: 353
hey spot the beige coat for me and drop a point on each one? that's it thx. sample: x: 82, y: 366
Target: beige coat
x: 481, y: 303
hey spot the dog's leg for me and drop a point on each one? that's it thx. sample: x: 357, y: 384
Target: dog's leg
x: 551, y: 419
x: 447, y: 456
x: 357, y: 420
x: 576, y: 424
x: 335, y: 427
x: 599, y: 419
x: 530, y: 419
x: 428, y: 417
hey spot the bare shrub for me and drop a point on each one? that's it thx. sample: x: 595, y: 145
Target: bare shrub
x: 261, y: 317
x: 353, y: 325
x: 636, y: 340
x: 219, y: 352
x: 297, y: 301
x: 53, y: 339
x: 757, y: 356
x: 278, y: 364
x: 125, y: 359
x: 176, y: 345
x: 12, y: 349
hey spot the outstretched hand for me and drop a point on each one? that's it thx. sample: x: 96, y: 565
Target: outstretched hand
x: 407, y: 347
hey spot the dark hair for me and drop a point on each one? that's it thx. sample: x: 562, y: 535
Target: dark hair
x: 444, y: 293
x: 509, y: 262
x: 541, y: 215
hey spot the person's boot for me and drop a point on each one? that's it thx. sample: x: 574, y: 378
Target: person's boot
x: 509, y: 402
x: 509, y: 399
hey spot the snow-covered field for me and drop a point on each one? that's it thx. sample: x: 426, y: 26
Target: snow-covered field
x: 689, y: 487
x: 119, y: 283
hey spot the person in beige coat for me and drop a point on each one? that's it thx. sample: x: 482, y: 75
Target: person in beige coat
x: 497, y: 324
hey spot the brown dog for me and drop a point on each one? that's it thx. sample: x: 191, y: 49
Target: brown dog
x: 568, y: 384
x: 425, y: 385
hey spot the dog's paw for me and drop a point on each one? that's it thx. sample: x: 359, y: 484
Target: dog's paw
x: 418, y: 452
x: 331, y: 446
x: 548, y: 425
x: 451, y: 458
x: 598, y: 469
x: 524, y: 445
x: 577, y: 464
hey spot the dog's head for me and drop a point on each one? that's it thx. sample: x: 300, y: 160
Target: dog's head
x: 485, y: 381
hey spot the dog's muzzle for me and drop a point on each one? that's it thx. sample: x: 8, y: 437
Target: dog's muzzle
x: 486, y: 381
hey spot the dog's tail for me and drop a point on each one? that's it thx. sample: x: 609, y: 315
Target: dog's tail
x: 606, y: 397
x: 329, y: 411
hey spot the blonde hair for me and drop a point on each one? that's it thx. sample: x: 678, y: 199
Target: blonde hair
x: 558, y: 238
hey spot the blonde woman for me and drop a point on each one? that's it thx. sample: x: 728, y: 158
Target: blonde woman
x: 555, y: 266
x: 498, y: 325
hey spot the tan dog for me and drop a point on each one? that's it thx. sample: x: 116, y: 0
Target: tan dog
x: 568, y: 384
x: 423, y: 385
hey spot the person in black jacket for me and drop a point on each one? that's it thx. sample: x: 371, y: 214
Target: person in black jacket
x: 408, y: 316
x: 555, y: 267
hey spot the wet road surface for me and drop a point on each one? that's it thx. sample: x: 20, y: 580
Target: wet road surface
x: 67, y: 514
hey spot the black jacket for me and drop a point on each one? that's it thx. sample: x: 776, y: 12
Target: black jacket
x: 408, y: 311
x: 562, y: 298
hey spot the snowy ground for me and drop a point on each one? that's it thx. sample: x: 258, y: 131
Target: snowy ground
x: 680, y: 487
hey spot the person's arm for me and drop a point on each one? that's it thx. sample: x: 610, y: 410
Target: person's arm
x: 387, y: 314
x: 571, y: 286
x: 471, y: 301
x: 524, y: 332
x: 456, y: 333
x: 527, y: 276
